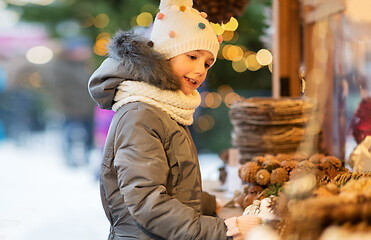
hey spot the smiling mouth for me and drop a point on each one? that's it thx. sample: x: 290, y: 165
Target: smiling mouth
x: 191, y: 80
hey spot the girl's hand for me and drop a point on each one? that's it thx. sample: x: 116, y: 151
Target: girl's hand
x: 238, y: 227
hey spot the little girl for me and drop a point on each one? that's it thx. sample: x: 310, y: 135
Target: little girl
x: 150, y: 177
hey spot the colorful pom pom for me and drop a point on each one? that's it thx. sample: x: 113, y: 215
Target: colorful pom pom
x: 220, y: 38
x: 203, y: 14
x: 201, y: 25
x: 160, y: 16
x: 182, y: 8
x: 171, y: 34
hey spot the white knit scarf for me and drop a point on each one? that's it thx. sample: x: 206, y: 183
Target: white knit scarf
x: 179, y: 106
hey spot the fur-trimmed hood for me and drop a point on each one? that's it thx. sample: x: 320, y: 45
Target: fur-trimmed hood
x: 130, y: 57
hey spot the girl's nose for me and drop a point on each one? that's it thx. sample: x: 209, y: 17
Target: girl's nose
x: 200, y: 68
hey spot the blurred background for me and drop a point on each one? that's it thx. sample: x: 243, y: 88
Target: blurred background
x: 52, y: 133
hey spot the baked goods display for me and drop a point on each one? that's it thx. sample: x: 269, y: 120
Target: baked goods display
x: 310, y: 197
x: 297, y: 195
x: 270, y: 126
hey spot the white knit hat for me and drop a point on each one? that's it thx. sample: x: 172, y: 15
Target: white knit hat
x: 179, y: 28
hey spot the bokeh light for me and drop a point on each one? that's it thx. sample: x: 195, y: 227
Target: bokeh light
x: 87, y: 20
x: 39, y: 55
x: 228, y: 35
x: 203, y: 97
x: 219, y: 30
x: 101, y: 20
x: 213, y: 100
x: 35, y: 79
x: 205, y: 122
x: 8, y: 18
x: 224, y: 89
x: 270, y: 67
x: 230, y: 98
x: 232, y: 52
x: 144, y: 19
x: 239, y: 66
x: 264, y: 57
x: 100, y: 46
x: 251, y: 63
x: 232, y: 25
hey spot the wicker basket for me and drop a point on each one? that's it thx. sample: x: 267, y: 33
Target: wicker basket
x: 270, y: 126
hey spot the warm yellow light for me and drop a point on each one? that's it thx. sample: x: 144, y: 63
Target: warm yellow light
x: 144, y: 19
x: 270, y: 67
x: 251, y: 63
x: 206, y: 122
x: 101, y: 20
x: 228, y: 35
x: 100, y: 46
x: 230, y: 98
x: 213, y: 100
x: 225, y: 51
x: 219, y: 30
x: 264, y: 57
x: 224, y: 89
x: 105, y: 35
x: 39, y: 55
x: 232, y: 25
x: 87, y: 21
x: 235, y: 53
x: 203, y: 96
x: 239, y: 66
x: 35, y: 79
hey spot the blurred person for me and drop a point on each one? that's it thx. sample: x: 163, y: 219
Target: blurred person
x: 150, y: 177
x: 66, y: 79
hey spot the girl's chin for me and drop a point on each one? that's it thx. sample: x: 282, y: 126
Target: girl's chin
x: 187, y: 91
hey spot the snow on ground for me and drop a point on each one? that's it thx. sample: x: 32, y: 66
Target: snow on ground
x: 42, y: 199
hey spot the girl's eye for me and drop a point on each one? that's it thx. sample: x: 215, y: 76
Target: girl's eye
x: 192, y: 57
x: 207, y: 65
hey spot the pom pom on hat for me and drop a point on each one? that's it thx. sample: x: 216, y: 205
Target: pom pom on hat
x: 168, y: 3
x: 179, y: 28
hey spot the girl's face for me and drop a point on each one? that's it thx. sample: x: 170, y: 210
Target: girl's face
x: 191, y: 68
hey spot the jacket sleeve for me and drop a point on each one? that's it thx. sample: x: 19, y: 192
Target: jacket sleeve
x: 142, y: 170
x: 208, y: 204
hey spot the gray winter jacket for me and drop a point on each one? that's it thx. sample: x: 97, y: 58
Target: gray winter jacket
x: 150, y: 178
